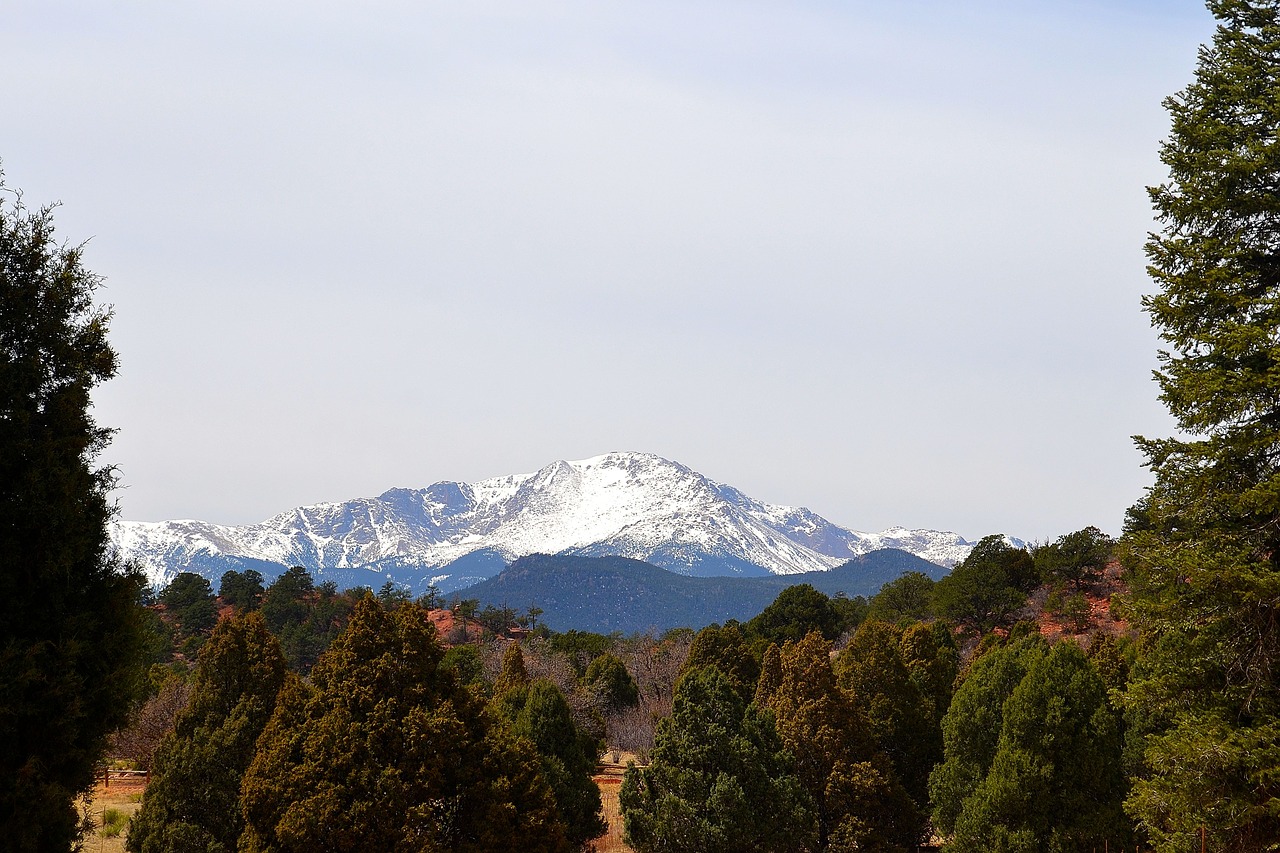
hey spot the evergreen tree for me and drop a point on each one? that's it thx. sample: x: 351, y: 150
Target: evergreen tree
x: 930, y: 654
x: 1075, y: 558
x: 189, y: 600
x: 1055, y: 782
x: 1203, y: 546
x: 726, y: 650
x: 513, y: 676
x: 70, y: 630
x: 908, y: 598
x: 900, y: 716
x: 242, y: 590
x: 539, y: 713
x: 193, y: 799
x: 985, y: 589
x: 972, y: 725
x: 794, y: 613
x: 612, y: 685
x: 858, y: 800
x: 719, y: 780
x: 770, y: 675
x: 384, y: 750
x: 467, y: 665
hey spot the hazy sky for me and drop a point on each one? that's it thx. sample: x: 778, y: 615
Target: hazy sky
x: 881, y: 259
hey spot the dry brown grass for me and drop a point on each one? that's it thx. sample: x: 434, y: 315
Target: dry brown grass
x: 609, y: 779
x: 124, y: 795
x: 611, y: 841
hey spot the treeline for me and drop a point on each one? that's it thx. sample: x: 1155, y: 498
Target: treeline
x: 823, y: 723
x: 381, y: 747
x: 886, y: 742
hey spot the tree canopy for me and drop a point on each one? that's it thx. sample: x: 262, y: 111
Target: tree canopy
x: 194, y: 799
x: 794, y: 613
x: 70, y: 628
x: 1203, y: 546
x: 1055, y: 782
x: 857, y: 797
x: 384, y: 750
x: 720, y: 778
x: 988, y: 586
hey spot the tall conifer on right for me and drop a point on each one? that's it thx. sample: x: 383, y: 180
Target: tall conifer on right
x: 1203, y: 546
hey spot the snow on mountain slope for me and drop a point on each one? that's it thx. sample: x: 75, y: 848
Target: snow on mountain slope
x: 628, y: 504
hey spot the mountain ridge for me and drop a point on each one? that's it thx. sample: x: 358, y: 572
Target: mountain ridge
x: 606, y: 594
x: 626, y: 504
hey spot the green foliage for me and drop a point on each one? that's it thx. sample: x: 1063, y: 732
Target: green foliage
x: 1055, y: 781
x: 497, y: 620
x: 930, y: 655
x: 794, y: 613
x: 726, y: 650
x: 70, y: 632
x: 539, y: 713
x: 113, y: 823
x: 580, y: 647
x: 1072, y: 608
x: 384, y: 750
x: 852, y: 610
x: 514, y: 676
x: 1075, y: 558
x: 1203, y: 547
x: 391, y: 595
x: 189, y: 600
x: 899, y: 715
x: 719, y: 779
x: 972, y: 725
x: 909, y: 598
x: 988, y: 586
x: 858, y: 799
x: 466, y: 663
x: 306, y: 618
x: 195, y: 790
x: 285, y: 603
x: 609, y: 681
x: 241, y: 590
x: 1111, y: 663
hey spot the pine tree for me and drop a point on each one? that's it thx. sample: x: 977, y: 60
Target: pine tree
x: 930, y: 654
x: 900, y: 716
x: 384, y: 750
x: 70, y: 629
x: 796, y: 611
x: 193, y: 799
x: 858, y: 799
x: 614, y: 688
x: 971, y: 727
x: 539, y: 713
x: 1055, y: 782
x: 1203, y: 546
x: 985, y: 589
x: 514, y: 676
x: 719, y: 780
x: 770, y: 675
x: 726, y: 650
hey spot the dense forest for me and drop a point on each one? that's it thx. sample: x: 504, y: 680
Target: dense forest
x: 823, y: 723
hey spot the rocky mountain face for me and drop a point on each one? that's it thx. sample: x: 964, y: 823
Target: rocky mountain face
x: 632, y: 505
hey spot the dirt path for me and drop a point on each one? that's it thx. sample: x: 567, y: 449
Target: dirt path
x: 609, y: 780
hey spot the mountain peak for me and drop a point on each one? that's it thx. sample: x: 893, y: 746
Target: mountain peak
x: 622, y: 503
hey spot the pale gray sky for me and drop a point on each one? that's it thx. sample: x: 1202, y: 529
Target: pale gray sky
x: 881, y: 259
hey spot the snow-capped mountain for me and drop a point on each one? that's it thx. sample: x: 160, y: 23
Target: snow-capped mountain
x: 626, y: 504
